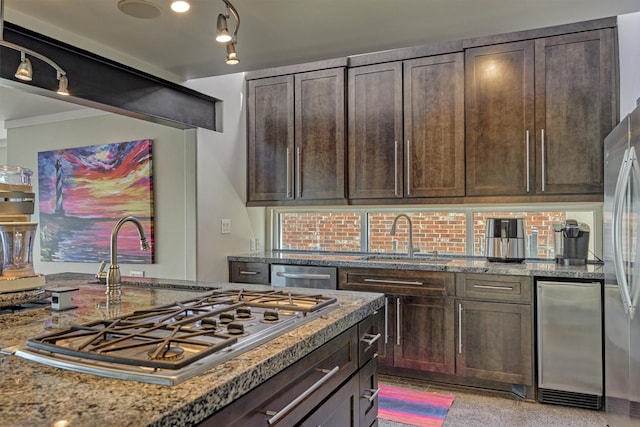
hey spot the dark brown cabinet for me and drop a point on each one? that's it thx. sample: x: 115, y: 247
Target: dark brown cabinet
x: 537, y: 112
x: 406, y: 128
x: 296, y: 137
x: 249, y: 272
x: 335, y: 385
x: 495, y: 328
x: 418, y: 324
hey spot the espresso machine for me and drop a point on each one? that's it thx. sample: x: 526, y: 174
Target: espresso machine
x: 571, y: 242
x: 17, y: 232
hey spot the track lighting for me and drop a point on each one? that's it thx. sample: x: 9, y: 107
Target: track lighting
x: 25, y: 70
x: 223, y: 35
x: 232, y: 56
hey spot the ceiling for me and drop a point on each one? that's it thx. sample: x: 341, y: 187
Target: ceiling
x: 280, y: 32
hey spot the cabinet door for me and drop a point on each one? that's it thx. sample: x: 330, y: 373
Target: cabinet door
x: 341, y: 409
x: 434, y: 126
x: 375, y: 131
x: 320, y: 135
x: 270, y: 139
x: 499, y: 91
x: 425, y: 334
x: 575, y: 110
x: 495, y: 341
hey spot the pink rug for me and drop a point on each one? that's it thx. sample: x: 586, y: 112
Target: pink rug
x: 414, y: 407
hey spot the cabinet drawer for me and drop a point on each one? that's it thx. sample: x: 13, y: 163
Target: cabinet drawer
x: 428, y: 283
x: 249, y: 272
x: 495, y: 287
x: 293, y: 393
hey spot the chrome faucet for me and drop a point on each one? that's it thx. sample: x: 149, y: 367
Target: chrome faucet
x: 113, y: 275
x: 410, y: 248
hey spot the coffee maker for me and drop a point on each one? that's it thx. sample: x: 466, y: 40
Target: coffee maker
x: 571, y: 242
x: 17, y: 232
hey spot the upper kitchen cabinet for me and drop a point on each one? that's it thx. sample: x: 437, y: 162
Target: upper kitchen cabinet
x: 537, y: 112
x: 296, y: 138
x: 406, y: 129
x: 576, y: 107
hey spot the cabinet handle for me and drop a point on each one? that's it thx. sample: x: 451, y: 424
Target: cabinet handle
x: 374, y: 394
x: 527, y: 163
x: 394, y: 282
x: 395, y: 168
x: 397, y: 321
x: 275, y: 416
x: 386, y: 320
x: 298, y: 169
x: 249, y: 273
x: 543, y: 162
x: 460, y: 328
x: 370, y: 339
x: 288, y: 173
x: 503, y: 288
x: 408, y: 167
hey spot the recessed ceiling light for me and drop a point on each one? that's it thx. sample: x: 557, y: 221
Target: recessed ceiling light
x: 142, y: 9
x: 180, y: 6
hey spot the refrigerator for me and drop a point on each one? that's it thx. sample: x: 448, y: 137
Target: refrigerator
x: 622, y: 273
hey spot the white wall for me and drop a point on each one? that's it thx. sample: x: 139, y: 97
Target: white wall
x: 629, y: 44
x: 221, y: 165
x: 174, y: 183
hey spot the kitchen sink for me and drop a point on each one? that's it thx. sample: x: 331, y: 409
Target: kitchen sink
x: 405, y: 259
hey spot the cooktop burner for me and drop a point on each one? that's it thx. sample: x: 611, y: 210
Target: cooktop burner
x: 170, y: 343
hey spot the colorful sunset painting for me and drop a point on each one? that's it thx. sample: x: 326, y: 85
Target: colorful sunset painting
x: 83, y: 192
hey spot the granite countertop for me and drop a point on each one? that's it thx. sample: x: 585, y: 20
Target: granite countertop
x: 451, y: 264
x: 34, y: 394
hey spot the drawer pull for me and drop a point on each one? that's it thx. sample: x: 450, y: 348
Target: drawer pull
x: 249, y: 273
x: 502, y: 288
x: 370, y: 339
x: 394, y: 282
x: 374, y: 394
x: 275, y: 416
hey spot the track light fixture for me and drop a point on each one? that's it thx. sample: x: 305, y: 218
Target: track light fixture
x: 25, y: 70
x: 223, y: 35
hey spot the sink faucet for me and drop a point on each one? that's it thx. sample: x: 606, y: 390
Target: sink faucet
x: 410, y: 249
x: 113, y: 275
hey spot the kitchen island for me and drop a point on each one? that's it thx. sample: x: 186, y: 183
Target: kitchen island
x: 35, y: 394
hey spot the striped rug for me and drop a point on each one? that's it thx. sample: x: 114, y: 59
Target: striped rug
x: 413, y: 407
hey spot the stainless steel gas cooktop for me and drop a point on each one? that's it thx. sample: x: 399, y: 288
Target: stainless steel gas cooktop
x: 171, y: 343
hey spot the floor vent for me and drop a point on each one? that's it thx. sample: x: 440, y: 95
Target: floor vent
x: 568, y: 398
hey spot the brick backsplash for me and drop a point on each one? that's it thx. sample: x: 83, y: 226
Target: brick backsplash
x: 441, y: 231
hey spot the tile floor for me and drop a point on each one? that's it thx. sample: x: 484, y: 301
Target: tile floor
x: 479, y: 409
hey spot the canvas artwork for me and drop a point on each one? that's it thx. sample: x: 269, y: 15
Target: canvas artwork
x: 84, y: 191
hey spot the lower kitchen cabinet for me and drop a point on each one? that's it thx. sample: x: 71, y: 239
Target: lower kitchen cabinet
x: 335, y: 385
x: 495, y: 329
x: 469, y: 329
x: 418, y: 325
x: 495, y: 341
x: 249, y: 272
x: 422, y: 333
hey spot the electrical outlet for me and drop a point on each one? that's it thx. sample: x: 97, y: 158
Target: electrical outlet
x: 257, y: 244
x: 252, y: 244
x: 136, y: 273
x: 225, y: 226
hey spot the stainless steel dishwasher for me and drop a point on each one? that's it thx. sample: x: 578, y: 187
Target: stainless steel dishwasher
x: 304, y: 276
x: 570, y: 357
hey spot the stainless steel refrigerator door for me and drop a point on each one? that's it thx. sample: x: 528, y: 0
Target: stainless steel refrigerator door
x: 570, y: 337
x: 622, y: 274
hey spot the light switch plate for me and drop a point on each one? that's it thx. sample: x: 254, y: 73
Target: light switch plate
x: 225, y: 226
